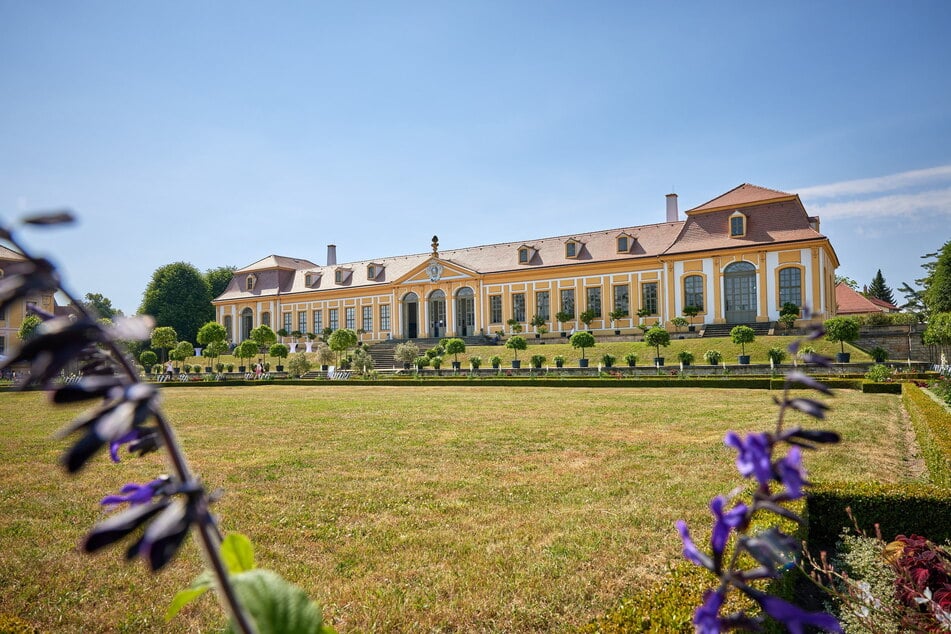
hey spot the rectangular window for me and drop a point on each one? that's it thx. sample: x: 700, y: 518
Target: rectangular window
x: 649, y: 297
x: 288, y: 322
x: 571, y: 250
x: 594, y: 300
x: 622, y: 246
x: 334, y: 319
x: 318, y: 321
x: 368, y: 318
x: 3, y: 344
x: 495, y: 309
x: 302, y: 321
x: 693, y: 291
x: 523, y: 256
x: 790, y: 286
x: 350, y: 315
x: 384, y: 317
x: 568, y: 301
x: 542, y: 305
x: 518, y: 307
x: 622, y: 299
x: 266, y: 318
x: 736, y: 226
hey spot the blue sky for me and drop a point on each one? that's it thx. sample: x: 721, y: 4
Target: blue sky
x: 220, y: 132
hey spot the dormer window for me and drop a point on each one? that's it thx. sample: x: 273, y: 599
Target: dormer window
x: 737, y: 225
x: 250, y: 281
x: 814, y: 223
x: 624, y: 243
x: 373, y: 271
x: 526, y: 253
x: 311, y: 278
x: 572, y: 249
x: 341, y: 275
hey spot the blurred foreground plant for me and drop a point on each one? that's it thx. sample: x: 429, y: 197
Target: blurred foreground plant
x: 155, y: 517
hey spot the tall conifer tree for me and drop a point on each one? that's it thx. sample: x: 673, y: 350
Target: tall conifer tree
x: 879, y: 289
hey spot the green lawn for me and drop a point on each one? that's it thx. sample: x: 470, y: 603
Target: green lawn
x: 409, y: 509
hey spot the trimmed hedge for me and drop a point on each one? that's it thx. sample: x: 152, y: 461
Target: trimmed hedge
x: 896, y: 508
x: 932, y: 424
x: 871, y: 387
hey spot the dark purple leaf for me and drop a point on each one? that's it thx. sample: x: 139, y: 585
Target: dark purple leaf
x: 772, y: 548
x: 793, y: 347
x: 117, y: 526
x: 809, y: 407
x: 795, y: 379
x: 165, y: 534
x: 820, y: 436
x: 818, y: 359
x: 86, y: 388
x: 49, y: 218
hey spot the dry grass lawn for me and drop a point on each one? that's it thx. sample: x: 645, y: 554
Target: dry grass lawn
x: 409, y: 509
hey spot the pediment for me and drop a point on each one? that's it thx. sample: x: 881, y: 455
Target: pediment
x: 436, y: 270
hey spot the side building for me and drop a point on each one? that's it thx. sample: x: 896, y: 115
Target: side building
x: 737, y: 258
x: 12, y: 316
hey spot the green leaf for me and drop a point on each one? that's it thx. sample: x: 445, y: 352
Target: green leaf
x: 198, y: 587
x: 276, y: 606
x: 237, y: 553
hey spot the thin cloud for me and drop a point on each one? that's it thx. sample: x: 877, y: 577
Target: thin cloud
x: 935, y: 201
x: 891, y: 182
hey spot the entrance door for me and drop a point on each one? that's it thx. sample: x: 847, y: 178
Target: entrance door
x: 437, y: 314
x: 465, y: 312
x: 247, y: 323
x: 739, y: 293
x: 411, y: 316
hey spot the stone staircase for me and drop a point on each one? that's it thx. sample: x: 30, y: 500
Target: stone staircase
x: 383, y: 353
x: 761, y: 328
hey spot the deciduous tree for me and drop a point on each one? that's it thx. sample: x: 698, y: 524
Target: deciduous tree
x: 218, y: 279
x: 178, y: 296
x: 101, y: 306
x: 164, y: 338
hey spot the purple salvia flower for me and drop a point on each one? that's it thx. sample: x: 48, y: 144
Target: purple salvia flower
x: 753, y: 457
x: 706, y: 619
x: 724, y: 523
x: 792, y: 474
x: 795, y: 618
x: 691, y: 552
x: 136, y: 493
x: 114, y: 445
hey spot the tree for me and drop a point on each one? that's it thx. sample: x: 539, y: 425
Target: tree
x: 937, y: 294
x: 298, y: 365
x: 842, y: 329
x: 582, y: 339
x: 742, y: 335
x: 148, y: 359
x: 362, y: 360
x: 246, y: 350
x: 586, y: 317
x: 214, y: 350
x: 178, y: 296
x: 341, y: 340
x: 279, y: 351
x: 406, y: 352
x: 218, y: 280
x: 164, y: 338
x: 28, y: 327
x: 454, y: 347
x: 101, y: 306
x: 657, y: 337
x: 848, y: 281
x: 879, y: 290
x: 263, y: 336
x: 516, y: 343
x: 184, y: 350
x: 211, y: 332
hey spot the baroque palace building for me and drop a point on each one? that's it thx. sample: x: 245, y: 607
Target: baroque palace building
x: 738, y: 257
x: 11, y: 317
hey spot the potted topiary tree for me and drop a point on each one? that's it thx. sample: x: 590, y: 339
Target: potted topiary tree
x: 264, y: 337
x: 182, y: 352
x: 455, y: 346
x: 713, y: 357
x: 148, y: 359
x: 842, y: 329
x: 685, y: 357
x: 657, y: 337
x: 421, y: 362
x: 607, y: 360
x: 299, y: 365
x: 325, y: 356
x: 280, y: 351
x: 213, y: 350
x: 631, y: 359
x: 617, y: 313
x: 342, y: 340
x: 743, y: 335
x: 678, y: 323
x: 788, y: 314
x: 475, y: 361
x: 690, y: 312
x: 879, y: 354
x: 539, y: 323
x: 537, y: 360
x: 514, y: 325
x: 516, y: 343
x: 405, y: 353
x: 586, y: 317
x: 496, y: 362
x: 563, y: 318
x: 776, y: 355
x: 245, y: 350
x: 582, y: 339
x: 559, y: 361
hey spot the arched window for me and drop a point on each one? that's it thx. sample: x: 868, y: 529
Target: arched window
x: 229, y: 334
x: 737, y: 225
x: 790, y: 286
x: 249, y: 282
x: 693, y: 291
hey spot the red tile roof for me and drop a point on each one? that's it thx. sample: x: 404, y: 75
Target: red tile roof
x: 851, y: 302
x: 740, y: 196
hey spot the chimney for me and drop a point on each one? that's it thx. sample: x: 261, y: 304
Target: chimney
x: 672, y: 215
x: 331, y: 254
